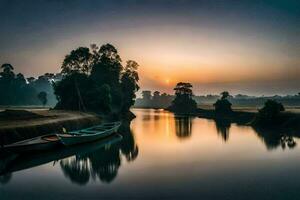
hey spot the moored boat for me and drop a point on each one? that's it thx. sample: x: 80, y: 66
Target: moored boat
x: 17, y: 162
x: 89, y: 134
x: 34, y: 144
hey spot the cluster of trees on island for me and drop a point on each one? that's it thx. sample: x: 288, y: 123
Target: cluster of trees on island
x: 94, y: 79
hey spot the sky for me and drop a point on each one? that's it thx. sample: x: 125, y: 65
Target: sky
x: 243, y: 46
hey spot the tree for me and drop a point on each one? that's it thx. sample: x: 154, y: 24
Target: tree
x: 30, y: 80
x: 7, y: 67
x: 183, y: 89
x: 223, y: 105
x: 183, y: 102
x: 129, y: 84
x: 7, y: 74
x: 271, y: 109
x: 107, y: 69
x: 146, y: 95
x: 156, y: 99
x: 42, y: 96
x: 224, y: 95
x: 78, y: 92
x: 94, y: 79
x: 79, y: 60
x: 14, y: 89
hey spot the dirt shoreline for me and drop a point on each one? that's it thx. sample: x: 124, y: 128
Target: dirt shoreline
x: 43, y: 122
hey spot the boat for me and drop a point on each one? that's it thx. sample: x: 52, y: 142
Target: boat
x: 34, y: 144
x: 89, y: 134
x: 17, y: 162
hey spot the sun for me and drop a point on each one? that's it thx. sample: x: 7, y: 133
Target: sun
x: 167, y: 81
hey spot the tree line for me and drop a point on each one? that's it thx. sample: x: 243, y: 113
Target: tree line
x: 157, y: 100
x: 91, y: 79
x: 16, y: 89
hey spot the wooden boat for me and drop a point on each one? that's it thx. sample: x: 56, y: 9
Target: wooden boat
x: 89, y: 134
x: 34, y: 144
x: 17, y: 162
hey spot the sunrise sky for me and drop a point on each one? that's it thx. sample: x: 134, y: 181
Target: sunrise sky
x: 250, y: 47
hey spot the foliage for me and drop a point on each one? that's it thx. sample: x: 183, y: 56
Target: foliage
x: 146, y: 95
x: 270, y: 110
x: 183, y: 89
x: 183, y: 102
x: 42, y: 96
x: 78, y: 60
x: 223, y: 105
x: 95, y: 80
x: 129, y: 84
x: 158, y: 100
x: 15, y: 89
x: 77, y: 91
x: 224, y: 95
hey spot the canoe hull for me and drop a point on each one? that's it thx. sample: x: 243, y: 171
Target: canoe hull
x: 29, y: 160
x: 90, y: 136
x: 34, y: 144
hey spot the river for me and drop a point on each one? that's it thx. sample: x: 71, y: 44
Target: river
x: 162, y: 156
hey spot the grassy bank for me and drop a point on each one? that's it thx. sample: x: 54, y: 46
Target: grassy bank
x: 18, y: 125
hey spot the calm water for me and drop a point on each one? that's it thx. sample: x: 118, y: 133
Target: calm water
x: 162, y: 156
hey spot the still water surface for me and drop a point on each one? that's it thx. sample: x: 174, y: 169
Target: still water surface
x: 166, y: 157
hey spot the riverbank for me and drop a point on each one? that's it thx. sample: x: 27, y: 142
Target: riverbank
x: 286, y: 123
x: 22, y: 124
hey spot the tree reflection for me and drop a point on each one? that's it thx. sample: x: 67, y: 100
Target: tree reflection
x: 76, y: 169
x: 273, y: 139
x: 287, y: 141
x: 183, y: 126
x: 102, y: 164
x: 223, y: 127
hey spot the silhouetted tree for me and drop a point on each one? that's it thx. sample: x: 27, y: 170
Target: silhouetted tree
x: 146, y: 95
x: 156, y: 99
x: 30, y: 80
x: 129, y: 84
x: 94, y: 79
x: 42, y: 96
x: 183, y: 102
x: 78, y: 92
x: 224, y: 95
x: 79, y: 60
x: 14, y: 88
x: 223, y: 105
x: 269, y: 114
x: 107, y: 69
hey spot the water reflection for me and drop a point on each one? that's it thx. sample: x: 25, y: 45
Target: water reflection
x: 222, y: 127
x: 287, y: 141
x: 271, y: 138
x: 275, y: 138
x: 183, y: 126
x: 100, y: 160
x: 102, y: 164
